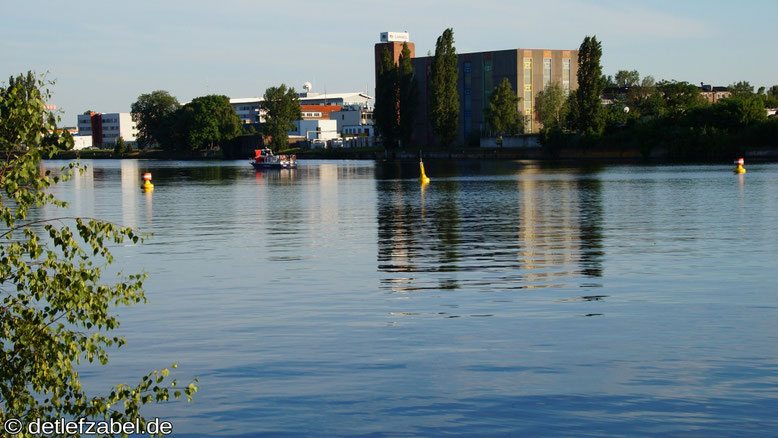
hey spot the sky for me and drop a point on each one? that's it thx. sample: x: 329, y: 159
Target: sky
x: 103, y: 55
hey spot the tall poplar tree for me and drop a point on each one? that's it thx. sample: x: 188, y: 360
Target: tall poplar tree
x: 386, y: 108
x: 591, y: 115
x: 408, y: 95
x: 443, y: 84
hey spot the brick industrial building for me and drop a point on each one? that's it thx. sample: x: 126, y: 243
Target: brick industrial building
x: 528, y: 70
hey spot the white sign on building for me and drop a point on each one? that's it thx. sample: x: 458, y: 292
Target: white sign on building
x: 388, y: 37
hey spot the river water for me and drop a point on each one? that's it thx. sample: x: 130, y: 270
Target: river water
x: 503, y: 299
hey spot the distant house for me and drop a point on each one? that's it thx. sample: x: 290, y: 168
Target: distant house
x: 714, y: 94
x: 612, y: 94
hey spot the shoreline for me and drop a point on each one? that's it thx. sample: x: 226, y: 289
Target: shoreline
x: 620, y: 155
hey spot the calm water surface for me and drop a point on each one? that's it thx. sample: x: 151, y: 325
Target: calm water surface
x: 503, y: 299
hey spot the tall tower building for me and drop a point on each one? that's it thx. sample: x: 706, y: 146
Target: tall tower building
x: 393, y: 41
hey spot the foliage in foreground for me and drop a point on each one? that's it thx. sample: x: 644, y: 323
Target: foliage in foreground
x: 54, y: 308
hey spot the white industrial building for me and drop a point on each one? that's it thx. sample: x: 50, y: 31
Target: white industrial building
x: 105, y: 128
x: 351, y: 117
x: 321, y: 129
x: 249, y: 109
x: 81, y: 142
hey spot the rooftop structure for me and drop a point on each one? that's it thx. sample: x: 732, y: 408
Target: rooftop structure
x: 388, y: 37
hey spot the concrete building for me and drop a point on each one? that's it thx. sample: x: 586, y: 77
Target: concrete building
x: 323, y: 112
x: 82, y: 142
x: 358, y: 120
x: 529, y: 71
x: 315, y: 129
x: 105, y: 128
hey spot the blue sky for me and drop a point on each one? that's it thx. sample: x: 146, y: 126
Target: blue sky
x: 103, y: 55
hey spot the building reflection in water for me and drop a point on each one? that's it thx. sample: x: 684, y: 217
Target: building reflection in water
x: 537, y: 228
x: 131, y: 177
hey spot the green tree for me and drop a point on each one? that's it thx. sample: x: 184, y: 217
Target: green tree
x: 679, y: 97
x: 503, y: 114
x: 120, y: 147
x: 408, y: 96
x: 151, y: 115
x: 386, y: 112
x: 55, y: 311
x: 769, y: 101
x: 739, y: 112
x: 626, y: 78
x: 444, y: 113
x: 742, y: 88
x: 645, y: 99
x: 591, y: 115
x: 282, y: 106
x: 205, y: 122
x: 773, y: 91
x: 550, y: 105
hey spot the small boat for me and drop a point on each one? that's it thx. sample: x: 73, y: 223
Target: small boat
x: 266, y: 159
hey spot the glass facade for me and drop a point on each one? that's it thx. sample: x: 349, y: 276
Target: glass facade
x: 468, y: 93
x: 546, y: 72
x: 488, y: 85
x: 566, y: 75
x: 527, y: 94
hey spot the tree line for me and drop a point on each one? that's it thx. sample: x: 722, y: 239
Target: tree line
x: 646, y: 114
x: 210, y: 121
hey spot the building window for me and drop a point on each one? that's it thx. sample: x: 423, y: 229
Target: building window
x: 566, y: 75
x: 488, y: 82
x: 546, y: 72
x: 527, y: 94
x: 468, y: 103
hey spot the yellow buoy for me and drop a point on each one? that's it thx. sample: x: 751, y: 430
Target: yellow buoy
x: 147, y: 185
x: 739, y: 166
x: 423, y: 178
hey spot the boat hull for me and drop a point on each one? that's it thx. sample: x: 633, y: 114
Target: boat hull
x: 281, y: 165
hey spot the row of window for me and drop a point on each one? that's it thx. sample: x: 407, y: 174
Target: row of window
x: 356, y: 130
x: 528, y: 94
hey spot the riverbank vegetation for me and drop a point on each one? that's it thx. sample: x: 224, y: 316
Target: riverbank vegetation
x: 671, y: 118
x: 202, y: 124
